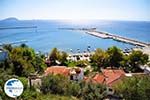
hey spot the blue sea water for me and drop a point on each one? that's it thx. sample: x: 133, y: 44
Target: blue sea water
x: 48, y: 35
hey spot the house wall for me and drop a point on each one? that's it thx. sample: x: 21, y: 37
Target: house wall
x: 79, y: 76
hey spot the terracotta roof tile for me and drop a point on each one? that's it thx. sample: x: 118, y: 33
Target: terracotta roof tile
x: 57, y: 70
x: 109, y: 76
x: 99, y: 78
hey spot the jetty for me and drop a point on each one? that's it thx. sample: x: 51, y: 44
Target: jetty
x: 106, y: 35
x: 18, y: 27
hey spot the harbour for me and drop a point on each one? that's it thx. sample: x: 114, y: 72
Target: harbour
x: 105, y: 35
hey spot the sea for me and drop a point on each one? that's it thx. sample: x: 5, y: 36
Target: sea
x: 48, y: 34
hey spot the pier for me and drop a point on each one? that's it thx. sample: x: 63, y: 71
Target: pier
x: 18, y: 27
x: 145, y: 47
x: 106, y: 35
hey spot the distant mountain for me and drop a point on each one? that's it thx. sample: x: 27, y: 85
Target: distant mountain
x: 11, y: 19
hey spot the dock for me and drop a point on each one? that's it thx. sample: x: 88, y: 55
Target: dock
x: 18, y: 27
x: 106, y: 35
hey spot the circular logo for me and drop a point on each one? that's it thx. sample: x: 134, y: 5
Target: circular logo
x: 13, y: 88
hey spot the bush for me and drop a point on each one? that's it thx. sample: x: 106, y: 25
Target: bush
x: 57, y: 84
x: 29, y: 94
x: 134, y: 88
x: 91, y: 91
x: 24, y: 81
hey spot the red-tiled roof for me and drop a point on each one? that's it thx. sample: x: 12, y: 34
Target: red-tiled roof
x: 57, y: 70
x: 99, y: 78
x: 109, y: 76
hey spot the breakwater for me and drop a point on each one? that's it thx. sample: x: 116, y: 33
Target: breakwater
x: 106, y: 35
x: 17, y: 27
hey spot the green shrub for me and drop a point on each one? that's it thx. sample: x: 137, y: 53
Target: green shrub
x: 134, y: 88
x: 57, y: 84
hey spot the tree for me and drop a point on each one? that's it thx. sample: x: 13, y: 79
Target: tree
x: 54, y: 55
x: 22, y: 61
x: 23, y: 45
x: 99, y: 59
x: 115, y: 56
x: 8, y: 47
x: 55, y: 84
x: 58, y: 84
x: 39, y: 64
x: 63, y: 58
x: 134, y: 88
x: 135, y: 59
x: 92, y: 91
x: 82, y: 63
x: 132, y: 62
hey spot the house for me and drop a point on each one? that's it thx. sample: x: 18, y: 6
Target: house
x: 109, y: 76
x: 63, y: 70
x: 34, y: 80
x: 75, y: 73
x: 146, y: 69
x: 79, y: 56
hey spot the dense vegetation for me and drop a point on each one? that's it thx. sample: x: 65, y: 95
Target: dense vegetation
x: 23, y: 61
x: 115, y: 58
x: 56, y: 57
x: 57, y: 84
x: 134, y: 88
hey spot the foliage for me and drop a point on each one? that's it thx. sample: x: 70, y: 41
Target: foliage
x: 63, y: 58
x: 54, y: 55
x: 24, y: 81
x: 54, y: 97
x: 22, y: 61
x: 99, y: 59
x: 57, y: 56
x: 54, y: 84
x: 57, y: 84
x: 82, y: 63
x: 135, y: 59
x: 33, y: 95
x: 71, y: 63
x: 29, y: 94
x: 134, y: 88
x: 115, y: 56
x: 8, y: 47
x: 91, y: 91
x: 4, y: 76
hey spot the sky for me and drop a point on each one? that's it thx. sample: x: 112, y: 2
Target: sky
x: 76, y: 9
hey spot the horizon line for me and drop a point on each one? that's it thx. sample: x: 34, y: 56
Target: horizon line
x: 84, y: 19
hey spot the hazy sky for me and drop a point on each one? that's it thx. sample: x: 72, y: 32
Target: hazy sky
x: 76, y: 9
